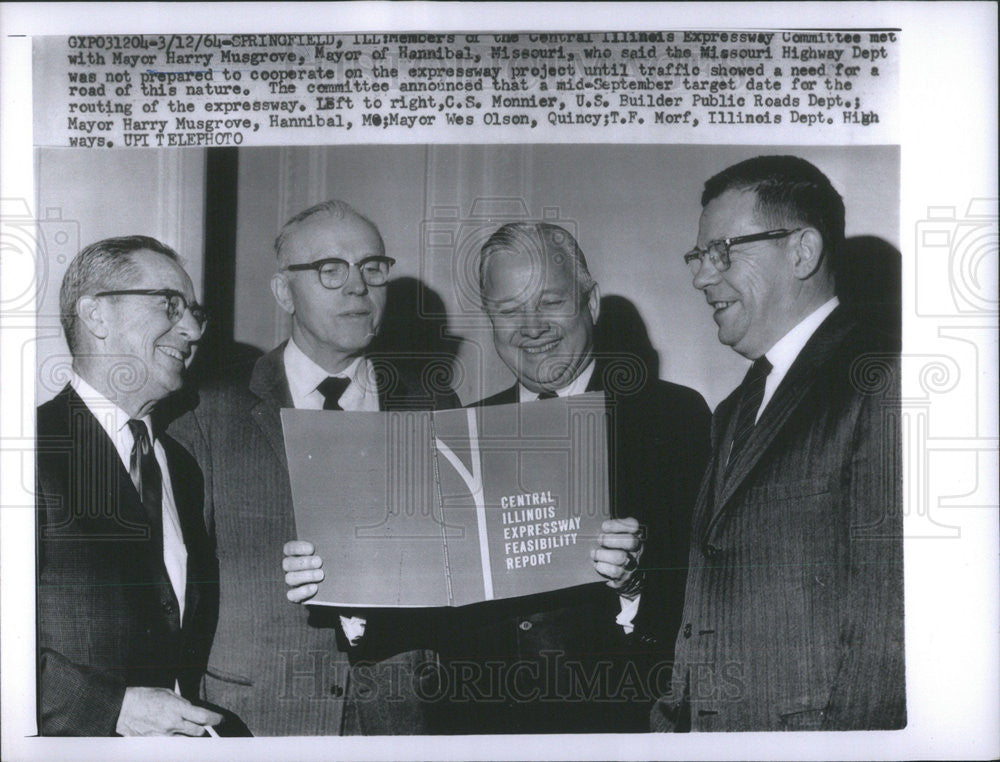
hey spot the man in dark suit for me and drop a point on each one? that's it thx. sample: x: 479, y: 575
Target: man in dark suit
x: 793, y: 615
x: 126, y: 577
x: 335, y: 672
x: 588, y: 658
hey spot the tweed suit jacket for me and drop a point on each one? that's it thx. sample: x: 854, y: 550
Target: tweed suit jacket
x: 793, y: 615
x: 281, y: 667
x: 658, y: 447
x: 107, y: 616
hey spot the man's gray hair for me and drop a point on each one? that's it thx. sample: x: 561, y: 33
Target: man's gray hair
x: 102, y: 266
x: 335, y: 208
x: 538, y: 239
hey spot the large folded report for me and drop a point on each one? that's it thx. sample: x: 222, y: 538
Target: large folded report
x: 450, y: 507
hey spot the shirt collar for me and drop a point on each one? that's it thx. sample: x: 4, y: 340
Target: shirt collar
x: 111, y: 417
x: 305, y: 374
x: 577, y: 386
x: 787, y: 348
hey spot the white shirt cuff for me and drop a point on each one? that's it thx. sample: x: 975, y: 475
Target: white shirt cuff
x: 354, y: 628
x: 629, y: 609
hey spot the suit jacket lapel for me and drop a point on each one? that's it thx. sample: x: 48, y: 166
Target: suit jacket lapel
x: 507, y: 397
x: 94, y: 449
x: 785, y: 401
x: 187, y: 494
x: 93, y: 445
x: 270, y: 384
x: 596, y: 382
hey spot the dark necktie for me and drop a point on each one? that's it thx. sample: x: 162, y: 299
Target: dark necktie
x: 751, y: 395
x: 332, y: 387
x: 547, y: 395
x: 148, y: 481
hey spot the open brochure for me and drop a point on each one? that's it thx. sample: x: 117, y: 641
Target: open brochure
x: 451, y: 507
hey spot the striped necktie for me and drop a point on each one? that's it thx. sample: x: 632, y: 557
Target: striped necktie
x: 148, y: 480
x: 751, y: 395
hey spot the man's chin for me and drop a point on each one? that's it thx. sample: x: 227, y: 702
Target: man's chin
x: 169, y: 377
x: 548, y: 381
x: 356, y: 340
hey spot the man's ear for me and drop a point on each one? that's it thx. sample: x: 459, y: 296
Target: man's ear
x: 594, y: 303
x: 282, y: 293
x: 807, y: 253
x: 90, y: 313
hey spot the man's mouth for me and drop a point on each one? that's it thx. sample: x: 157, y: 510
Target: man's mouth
x: 538, y: 349
x: 177, y: 354
x: 355, y: 313
x: 718, y: 306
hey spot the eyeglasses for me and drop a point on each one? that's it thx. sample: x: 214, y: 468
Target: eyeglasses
x: 177, y: 303
x: 718, y: 251
x: 333, y: 272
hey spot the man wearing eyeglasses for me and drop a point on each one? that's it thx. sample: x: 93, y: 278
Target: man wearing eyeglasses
x: 283, y: 670
x: 793, y: 614
x: 584, y: 659
x: 126, y: 576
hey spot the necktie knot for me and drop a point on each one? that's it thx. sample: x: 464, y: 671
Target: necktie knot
x: 760, y: 369
x: 140, y: 434
x: 332, y: 387
x: 547, y: 395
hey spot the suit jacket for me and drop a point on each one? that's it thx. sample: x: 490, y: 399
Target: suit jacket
x: 107, y: 616
x: 793, y: 615
x: 276, y: 664
x: 658, y: 446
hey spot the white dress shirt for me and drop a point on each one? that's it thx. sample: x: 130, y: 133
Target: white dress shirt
x: 114, y: 421
x: 629, y: 607
x: 787, y: 348
x: 304, y: 376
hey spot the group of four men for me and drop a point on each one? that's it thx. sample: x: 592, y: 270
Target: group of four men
x: 752, y: 570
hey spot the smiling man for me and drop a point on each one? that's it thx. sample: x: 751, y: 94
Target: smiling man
x: 542, y: 302
x: 585, y: 659
x: 126, y: 577
x: 284, y: 670
x: 793, y: 612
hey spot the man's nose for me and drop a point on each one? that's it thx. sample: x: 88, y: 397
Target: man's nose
x: 533, y: 325
x: 188, y: 327
x: 706, y: 274
x: 354, y: 284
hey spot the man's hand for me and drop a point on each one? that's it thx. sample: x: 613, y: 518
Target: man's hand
x: 161, y: 712
x: 302, y: 570
x: 617, y: 556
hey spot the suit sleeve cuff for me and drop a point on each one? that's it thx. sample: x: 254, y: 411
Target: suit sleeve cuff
x: 629, y: 609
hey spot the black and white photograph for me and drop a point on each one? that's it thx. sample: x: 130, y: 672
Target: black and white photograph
x: 398, y: 390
